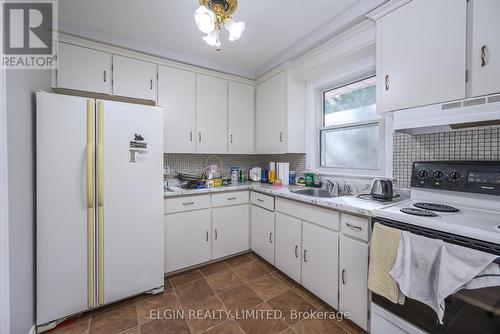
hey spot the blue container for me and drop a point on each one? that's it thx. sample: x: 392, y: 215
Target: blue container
x: 264, y: 177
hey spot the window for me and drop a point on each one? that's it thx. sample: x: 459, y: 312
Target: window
x: 351, y: 136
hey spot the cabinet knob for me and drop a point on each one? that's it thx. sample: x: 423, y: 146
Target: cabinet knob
x: 190, y: 135
x: 199, y: 137
x: 215, y: 234
x: 271, y: 237
x: 305, y: 255
x: 151, y: 84
x: 206, y: 237
x: 343, y: 276
x: 281, y: 137
x: 231, y: 139
x: 483, y: 56
x: 387, y: 82
x: 105, y: 76
x: 296, y: 251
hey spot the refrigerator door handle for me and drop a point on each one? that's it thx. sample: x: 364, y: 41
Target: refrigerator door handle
x: 100, y: 202
x: 90, y: 204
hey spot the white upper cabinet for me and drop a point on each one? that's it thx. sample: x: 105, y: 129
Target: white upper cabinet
x: 211, y: 114
x: 134, y: 78
x: 83, y: 69
x: 177, y: 96
x: 485, y: 47
x: 280, y: 115
x: 241, y: 107
x: 421, y: 54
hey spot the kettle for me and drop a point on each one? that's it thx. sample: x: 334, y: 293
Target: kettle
x: 382, y: 189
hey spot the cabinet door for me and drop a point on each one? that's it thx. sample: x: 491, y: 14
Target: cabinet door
x: 187, y: 239
x: 354, y: 280
x: 177, y: 96
x: 263, y: 233
x: 288, y: 245
x: 231, y: 229
x: 270, y: 115
x: 134, y: 78
x: 211, y: 114
x: 83, y: 69
x: 320, y: 265
x: 421, y: 54
x: 241, y: 118
x: 485, y: 44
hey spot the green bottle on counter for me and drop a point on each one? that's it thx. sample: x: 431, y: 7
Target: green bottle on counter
x: 309, y: 179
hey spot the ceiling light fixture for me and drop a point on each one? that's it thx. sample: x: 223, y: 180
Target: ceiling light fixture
x: 212, y: 15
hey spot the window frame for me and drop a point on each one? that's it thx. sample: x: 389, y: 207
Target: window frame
x: 320, y: 128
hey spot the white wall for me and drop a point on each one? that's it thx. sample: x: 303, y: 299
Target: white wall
x: 20, y: 105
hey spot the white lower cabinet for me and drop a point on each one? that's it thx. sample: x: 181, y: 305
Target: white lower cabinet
x: 288, y: 245
x: 320, y: 268
x: 354, y: 280
x: 263, y: 232
x: 230, y: 230
x: 187, y: 239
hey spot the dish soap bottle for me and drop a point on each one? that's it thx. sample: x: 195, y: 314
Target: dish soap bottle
x: 316, y: 179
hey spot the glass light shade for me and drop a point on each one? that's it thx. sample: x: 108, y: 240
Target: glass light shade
x: 205, y: 19
x: 213, y: 38
x: 235, y: 29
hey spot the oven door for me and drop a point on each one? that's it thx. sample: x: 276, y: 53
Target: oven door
x: 467, y: 311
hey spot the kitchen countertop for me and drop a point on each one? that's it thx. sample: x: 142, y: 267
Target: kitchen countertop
x: 348, y: 203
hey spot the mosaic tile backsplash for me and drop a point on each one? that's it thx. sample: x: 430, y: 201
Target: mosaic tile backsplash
x: 469, y: 144
x: 195, y: 163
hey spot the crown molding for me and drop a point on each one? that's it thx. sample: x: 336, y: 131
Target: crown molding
x: 113, y: 40
x: 385, y: 9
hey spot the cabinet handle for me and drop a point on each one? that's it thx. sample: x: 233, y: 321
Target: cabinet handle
x: 271, y: 237
x: 231, y: 139
x: 215, y: 234
x: 483, y: 56
x: 190, y: 135
x: 343, y: 276
x: 354, y: 227
x: 231, y: 198
x: 296, y: 251
x: 199, y: 137
x: 207, y: 237
x: 260, y: 200
x: 151, y: 84
x: 281, y: 137
x: 387, y: 82
x: 105, y: 76
x: 188, y: 203
x: 305, y: 255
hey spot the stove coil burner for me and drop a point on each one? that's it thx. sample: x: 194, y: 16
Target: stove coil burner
x: 436, y: 207
x: 419, y: 212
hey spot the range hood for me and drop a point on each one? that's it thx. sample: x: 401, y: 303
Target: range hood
x: 449, y: 116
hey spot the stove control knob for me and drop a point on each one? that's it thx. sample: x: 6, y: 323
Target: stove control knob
x: 438, y: 175
x: 454, y: 175
x: 422, y: 174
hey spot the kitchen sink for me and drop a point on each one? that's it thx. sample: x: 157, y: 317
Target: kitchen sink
x: 323, y: 193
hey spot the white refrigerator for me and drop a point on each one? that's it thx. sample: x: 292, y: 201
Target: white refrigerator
x: 99, y: 179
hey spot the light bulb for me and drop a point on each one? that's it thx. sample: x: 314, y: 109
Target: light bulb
x: 205, y: 19
x: 235, y: 29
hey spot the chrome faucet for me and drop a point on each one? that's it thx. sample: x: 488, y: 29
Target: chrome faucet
x: 332, y: 187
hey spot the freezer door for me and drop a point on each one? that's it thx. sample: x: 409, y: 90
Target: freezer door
x: 64, y: 201
x: 130, y: 199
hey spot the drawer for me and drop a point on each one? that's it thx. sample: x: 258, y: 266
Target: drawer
x: 230, y: 198
x: 355, y: 226
x: 311, y: 213
x: 264, y: 201
x: 186, y: 203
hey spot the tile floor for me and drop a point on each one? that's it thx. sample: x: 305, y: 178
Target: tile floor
x: 245, y: 282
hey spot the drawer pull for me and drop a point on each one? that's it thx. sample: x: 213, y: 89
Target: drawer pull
x: 271, y: 237
x: 188, y: 203
x: 260, y: 200
x: 296, y: 251
x: 354, y: 227
x: 343, y: 276
x: 231, y: 198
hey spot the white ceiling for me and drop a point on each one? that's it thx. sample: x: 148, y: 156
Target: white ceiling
x: 276, y: 30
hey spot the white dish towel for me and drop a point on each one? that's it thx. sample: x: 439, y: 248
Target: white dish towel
x: 429, y: 270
